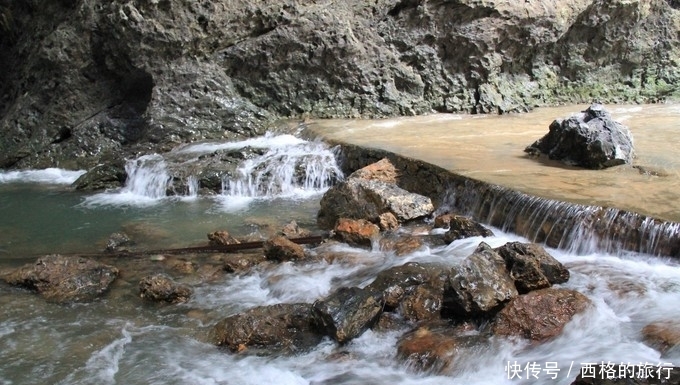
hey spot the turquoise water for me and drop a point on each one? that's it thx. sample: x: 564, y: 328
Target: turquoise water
x: 40, y: 219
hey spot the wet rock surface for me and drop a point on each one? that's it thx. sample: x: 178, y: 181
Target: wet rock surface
x: 370, y: 193
x: 242, y: 263
x: 479, y: 286
x: 347, y: 313
x: 426, y: 350
x: 662, y: 335
x: 539, y: 315
x: 280, y: 248
x: 591, y: 139
x: 162, y: 288
x: 357, y: 232
x: 64, y: 279
x: 267, y: 329
x: 531, y: 267
x: 463, y: 227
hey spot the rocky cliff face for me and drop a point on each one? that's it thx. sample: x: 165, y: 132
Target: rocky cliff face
x: 85, y: 81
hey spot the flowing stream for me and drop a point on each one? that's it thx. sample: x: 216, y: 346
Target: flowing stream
x: 121, y: 339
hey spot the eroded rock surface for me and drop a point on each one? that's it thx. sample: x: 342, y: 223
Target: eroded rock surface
x: 539, y: 315
x: 347, y: 313
x: 64, y: 279
x: 161, y: 288
x: 480, y: 285
x: 531, y: 267
x: 268, y: 329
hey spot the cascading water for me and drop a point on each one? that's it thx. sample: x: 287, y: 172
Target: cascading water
x: 298, y: 169
x: 147, y: 177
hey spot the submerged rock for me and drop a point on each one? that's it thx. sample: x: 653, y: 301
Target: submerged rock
x: 347, y: 313
x: 221, y: 237
x: 268, y: 329
x: 591, y: 140
x: 118, y: 242
x: 161, y: 288
x: 64, y: 279
x: 479, y: 286
x: 434, y: 350
x: 531, y: 267
x: 241, y: 263
x: 425, y: 350
x: 663, y: 335
x: 539, y: 315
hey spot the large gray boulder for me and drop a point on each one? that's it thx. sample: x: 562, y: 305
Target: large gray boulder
x: 591, y: 139
x: 64, y: 279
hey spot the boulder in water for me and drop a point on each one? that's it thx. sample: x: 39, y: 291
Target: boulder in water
x: 425, y: 350
x: 591, y: 139
x: 356, y: 232
x: 479, y: 286
x: 415, y: 290
x: 161, y: 288
x: 367, y: 194
x: 64, y: 279
x: 103, y: 176
x: 347, y: 313
x: 539, y: 315
x: 285, y: 328
x: 531, y: 267
x: 463, y: 227
x: 280, y: 248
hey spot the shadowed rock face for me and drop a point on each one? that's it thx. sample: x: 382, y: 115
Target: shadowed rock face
x: 86, y: 80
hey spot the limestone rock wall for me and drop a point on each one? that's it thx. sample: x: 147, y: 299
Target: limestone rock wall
x: 89, y: 80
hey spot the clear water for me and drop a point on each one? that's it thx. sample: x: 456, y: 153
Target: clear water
x: 123, y: 340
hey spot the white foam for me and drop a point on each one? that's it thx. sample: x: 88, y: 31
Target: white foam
x: 267, y: 141
x: 47, y: 176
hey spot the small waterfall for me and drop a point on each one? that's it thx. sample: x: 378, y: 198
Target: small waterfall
x: 575, y: 227
x: 192, y: 186
x: 580, y: 229
x: 300, y: 168
x: 147, y: 177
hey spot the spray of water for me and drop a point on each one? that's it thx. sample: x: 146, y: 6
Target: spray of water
x: 298, y: 169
